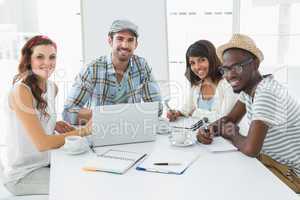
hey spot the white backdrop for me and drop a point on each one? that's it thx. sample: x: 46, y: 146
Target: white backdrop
x: 149, y: 16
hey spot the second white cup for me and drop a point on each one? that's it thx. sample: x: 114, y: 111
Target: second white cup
x: 179, y: 136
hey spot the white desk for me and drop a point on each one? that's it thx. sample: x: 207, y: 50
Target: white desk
x: 221, y: 176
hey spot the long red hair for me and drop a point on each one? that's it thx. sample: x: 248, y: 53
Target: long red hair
x: 25, y: 73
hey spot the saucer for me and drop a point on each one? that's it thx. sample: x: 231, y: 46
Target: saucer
x: 187, y: 142
x: 75, y: 152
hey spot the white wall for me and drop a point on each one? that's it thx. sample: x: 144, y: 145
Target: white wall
x: 149, y: 16
x: 21, y: 13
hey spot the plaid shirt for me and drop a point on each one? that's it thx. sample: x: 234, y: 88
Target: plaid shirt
x: 96, y: 85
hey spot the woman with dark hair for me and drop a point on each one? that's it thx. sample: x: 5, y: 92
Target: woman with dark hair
x: 210, y: 95
x: 32, y: 121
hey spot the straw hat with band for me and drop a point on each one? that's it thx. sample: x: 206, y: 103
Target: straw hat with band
x: 241, y: 41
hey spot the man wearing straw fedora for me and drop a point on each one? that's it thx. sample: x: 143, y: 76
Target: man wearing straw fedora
x: 274, y: 116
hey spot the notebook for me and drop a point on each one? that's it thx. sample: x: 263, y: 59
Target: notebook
x: 113, y: 161
x: 182, y: 158
x: 220, y: 144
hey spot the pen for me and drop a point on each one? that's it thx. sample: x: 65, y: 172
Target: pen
x: 166, y: 163
x: 205, y: 126
x: 168, y: 107
x: 197, y: 125
x: 89, y: 169
x: 92, y: 169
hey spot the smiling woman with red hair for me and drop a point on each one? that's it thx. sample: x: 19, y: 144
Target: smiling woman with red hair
x: 31, y: 119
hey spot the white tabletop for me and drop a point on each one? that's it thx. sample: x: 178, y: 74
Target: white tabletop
x: 217, y: 176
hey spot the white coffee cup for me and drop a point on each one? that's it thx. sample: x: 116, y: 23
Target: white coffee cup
x: 179, y: 136
x: 74, y: 143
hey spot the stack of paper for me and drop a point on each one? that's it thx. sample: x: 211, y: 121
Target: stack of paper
x: 182, y: 159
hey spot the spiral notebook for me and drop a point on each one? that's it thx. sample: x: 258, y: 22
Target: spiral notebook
x: 113, y: 161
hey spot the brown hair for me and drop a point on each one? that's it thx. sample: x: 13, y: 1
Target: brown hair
x: 25, y: 73
x: 203, y: 48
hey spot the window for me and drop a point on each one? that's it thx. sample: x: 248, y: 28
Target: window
x: 20, y: 20
x: 275, y: 28
x: 189, y: 21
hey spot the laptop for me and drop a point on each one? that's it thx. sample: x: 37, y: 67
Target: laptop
x: 124, y: 123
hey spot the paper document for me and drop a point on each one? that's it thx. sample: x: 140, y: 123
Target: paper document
x: 220, y: 144
x: 114, y: 161
x: 182, y: 159
x: 185, y: 122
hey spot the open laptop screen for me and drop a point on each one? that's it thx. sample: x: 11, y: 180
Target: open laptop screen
x: 124, y: 123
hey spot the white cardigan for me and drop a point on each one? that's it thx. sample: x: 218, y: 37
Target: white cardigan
x: 224, y: 100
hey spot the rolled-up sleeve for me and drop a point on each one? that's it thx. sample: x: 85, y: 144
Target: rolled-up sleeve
x: 80, y: 93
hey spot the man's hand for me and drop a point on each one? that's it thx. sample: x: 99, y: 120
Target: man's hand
x: 206, y: 136
x: 86, y: 130
x: 63, y: 127
x: 84, y: 115
x: 229, y: 130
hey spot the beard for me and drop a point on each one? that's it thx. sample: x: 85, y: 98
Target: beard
x: 123, y: 54
x: 237, y: 91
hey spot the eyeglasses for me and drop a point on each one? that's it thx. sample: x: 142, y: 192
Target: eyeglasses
x: 238, y: 68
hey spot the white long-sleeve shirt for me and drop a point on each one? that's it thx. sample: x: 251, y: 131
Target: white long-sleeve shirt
x: 224, y: 100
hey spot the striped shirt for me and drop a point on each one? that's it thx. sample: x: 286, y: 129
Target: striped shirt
x: 273, y: 105
x: 97, y: 85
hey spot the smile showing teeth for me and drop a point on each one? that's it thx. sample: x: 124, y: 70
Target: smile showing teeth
x: 200, y: 72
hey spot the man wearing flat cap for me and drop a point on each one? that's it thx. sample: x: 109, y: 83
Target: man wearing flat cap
x: 120, y: 77
x: 273, y: 115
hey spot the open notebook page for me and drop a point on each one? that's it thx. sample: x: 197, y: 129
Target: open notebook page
x: 168, y: 156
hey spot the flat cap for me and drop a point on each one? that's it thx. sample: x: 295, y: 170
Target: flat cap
x: 123, y: 25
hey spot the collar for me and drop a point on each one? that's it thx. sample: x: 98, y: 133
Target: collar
x: 110, y: 66
x: 264, y: 78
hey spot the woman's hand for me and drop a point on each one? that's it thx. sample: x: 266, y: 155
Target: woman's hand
x: 173, y: 115
x: 63, y: 127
